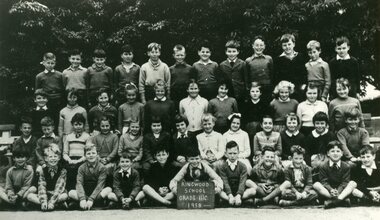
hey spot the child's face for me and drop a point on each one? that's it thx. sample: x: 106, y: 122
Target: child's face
x: 72, y: 100
x: 26, y: 129
x: 320, y: 126
x: 91, y: 155
x: 267, y: 125
x: 154, y: 54
x: 232, y: 154
x: 47, y: 130
x: 352, y: 123
x: 291, y: 124
x: 181, y: 127
x: 179, y: 56
x: 103, y: 99
x: 127, y: 57
x: 131, y: 96
x: 78, y: 127
x: 52, y: 159
x: 255, y: 93
x: 288, y: 47
x: 367, y: 159
x: 314, y: 54
x: 162, y: 157
x: 297, y: 160
x: 99, y: 61
x: 160, y: 92
x: 232, y: 53
x: 222, y: 91
x: 156, y: 128
x: 105, y: 127
x: 20, y: 161
x: 208, y: 126
x: 125, y: 163
x: 49, y: 64
x: 75, y: 60
x: 134, y: 128
x: 193, y: 90
x: 258, y: 46
x: 235, y: 124
x: 204, y: 54
x: 342, y: 50
x: 335, y: 154
x: 40, y: 100
x: 342, y: 91
x: 312, y: 95
x: 268, y: 158
x: 194, y: 161
x: 284, y: 94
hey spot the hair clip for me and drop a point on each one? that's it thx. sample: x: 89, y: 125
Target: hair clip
x: 234, y: 114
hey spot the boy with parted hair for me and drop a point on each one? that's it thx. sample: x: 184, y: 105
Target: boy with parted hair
x: 26, y: 141
x: 41, y: 110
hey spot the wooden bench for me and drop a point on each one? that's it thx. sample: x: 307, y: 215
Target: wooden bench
x: 6, y: 141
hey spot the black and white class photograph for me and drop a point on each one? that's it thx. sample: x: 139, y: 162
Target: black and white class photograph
x: 189, y: 109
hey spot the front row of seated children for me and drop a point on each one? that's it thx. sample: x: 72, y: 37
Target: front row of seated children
x: 267, y: 183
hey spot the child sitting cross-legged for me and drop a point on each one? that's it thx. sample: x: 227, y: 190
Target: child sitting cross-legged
x: 51, y: 182
x: 334, y: 178
x: 297, y: 189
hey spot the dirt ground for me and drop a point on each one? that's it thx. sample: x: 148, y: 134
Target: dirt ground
x: 355, y: 213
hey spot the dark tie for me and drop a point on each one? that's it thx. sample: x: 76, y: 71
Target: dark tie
x: 335, y: 166
x: 182, y: 135
x: 232, y: 63
x: 126, y: 174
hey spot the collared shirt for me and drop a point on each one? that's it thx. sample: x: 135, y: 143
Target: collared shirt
x: 51, y: 136
x: 343, y: 58
x: 260, y: 69
x: 193, y: 109
x: 291, y: 134
x: 272, y: 140
x: 271, y: 176
x: 314, y: 62
x: 204, y: 63
x: 27, y: 139
x: 316, y: 134
x: 212, y: 142
x: 75, y: 78
x: 232, y: 165
x: 369, y: 170
x: 47, y: 71
x: 180, y: 135
x: 255, y: 101
x: 162, y: 100
x: 38, y: 108
x: 128, y: 67
x: 242, y: 139
x: 306, y: 111
x: 331, y: 163
x: 125, y: 172
x: 222, y: 98
x: 286, y: 100
x: 149, y: 74
x: 294, y: 55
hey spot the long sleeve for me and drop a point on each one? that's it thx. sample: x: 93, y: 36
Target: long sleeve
x: 37, y: 83
x: 278, y: 146
x: 8, y: 183
x: 80, y: 181
x: 323, y: 177
x: 235, y: 106
x: 27, y: 182
x: 116, y: 185
x: 180, y: 175
x: 346, y: 177
x: 61, y: 123
x: 100, y: 185
x: 167, y: 79
x: 59, y: 188
x: 221, y: 147
x: 121, y: 145
x: 309, y: 180
x: 246, y: 148
x: 86, y: 125
x: 256, y: 145
x: 142, y: 79
x: 42, y: 194
x: 136, y: 185
x: 223, y: 176
x: 214, y: 176
x: 140, y: 155
x: 114, y: 144
x: 147, y: 153
x: 120, y: 119
x: 65, y: 153
x: 327, y: 77
x: 243, y: 179
x: 342, y: 139
x: 39, y: 153
x: 110, y: 77
x: 201, y: 149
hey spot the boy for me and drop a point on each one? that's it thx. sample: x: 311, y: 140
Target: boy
x: 346, y: 66
x: 367, y: 176
x: 51, y: 182
x: 151, y: 72
x: 99, y: 75
x: 41, y: 110
x: 234, y: 175
x: 158, y: 178
x: 205, y: 72
x: 126, y: 183
x: 196, y: 170
x: 290, y: 66
x: 126, y: 72
x: 193, y: 108
x: 26, y: 141
x: 352, y: 137
x: 51, y: 81
x: 182, y: 141
x: 260, y: 69
x: 181, y: 72
x: 297, y: 189
x: 318, y: 71
x: 334, y: 178
x: 18, y: 180
x: 90, y: 180
x: 234, y: 71
x: 43, y: 142
x: 74, y: 77
x: 267, y: 176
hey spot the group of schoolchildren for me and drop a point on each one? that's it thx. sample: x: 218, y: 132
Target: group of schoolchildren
x: 226, y: 129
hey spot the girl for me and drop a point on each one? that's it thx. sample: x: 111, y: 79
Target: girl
x: 266, y: 137
x: 240, y: 137
x: 291, y: 136
x: 131, y: 110
x: 342, y: 104
x: 104, y: 108
x: 131, y: 142
x: 282, y: 105
x: 221, y: 107
x: 307, y: 109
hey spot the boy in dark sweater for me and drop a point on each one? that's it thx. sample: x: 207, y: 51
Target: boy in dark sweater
x: 126, y: 183
x: 182, y: 141
x: 367, y: 176
x: 40, y: 111
x: 234, y: 175
x: 334, y: 178
x: 26, y: 141
x: 346, y: 66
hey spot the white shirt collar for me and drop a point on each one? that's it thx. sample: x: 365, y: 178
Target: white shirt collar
x: 337, y: 163
x: 234, y: 60
x: 315, y: 134
x: 27, y: 140
x: 201, y: 62
x: 179, y: 135
x: 319, y: 60
x: 128, y: 171
x: 257, y: 55
x: 47, y: 71
x: 78, y: 68
x: 222, y: 99
x: 162, y: 100
x: 233, y: 132
x: 284, y: 54
x: 291, y: 134
x: 230, y: 163
x: 287, y: 100
x: 343, y: 58
x: 255, y: 102
x: 310, y: 103
x: 52, y: 135
x: 38, y: 108
x: 373, y: 166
